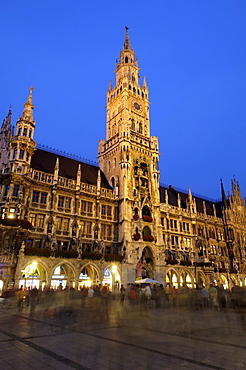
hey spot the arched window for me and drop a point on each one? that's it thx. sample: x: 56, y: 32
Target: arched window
x: 25, y: 131
x: 146, y: 211
x: 126, y: 59
x: 140, y: 128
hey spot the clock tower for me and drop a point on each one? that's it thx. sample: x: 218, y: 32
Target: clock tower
x: 129, y: 157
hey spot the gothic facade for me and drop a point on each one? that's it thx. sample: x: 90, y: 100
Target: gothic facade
x: 67, y: 222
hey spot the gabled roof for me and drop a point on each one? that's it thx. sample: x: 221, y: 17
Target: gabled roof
x: 173, y: 200
x: 45, y: 161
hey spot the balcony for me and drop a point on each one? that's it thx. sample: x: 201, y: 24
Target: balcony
x: 148, y: 238
x: 147, y: 218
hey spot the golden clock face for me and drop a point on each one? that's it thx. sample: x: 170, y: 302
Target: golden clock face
x: 137, y: 106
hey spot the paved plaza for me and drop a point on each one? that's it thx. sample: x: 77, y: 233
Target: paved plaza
x: 123, y: 338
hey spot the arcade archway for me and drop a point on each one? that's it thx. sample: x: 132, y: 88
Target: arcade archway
x: 185, y: 280
x: 224, y: 281
x: 34, y: 274
x: 171, y: 279
x: 111, y: 277
x: 63, y: 276
x: 88, y: 276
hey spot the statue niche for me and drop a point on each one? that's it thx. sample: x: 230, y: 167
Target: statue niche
x: 141, y: 176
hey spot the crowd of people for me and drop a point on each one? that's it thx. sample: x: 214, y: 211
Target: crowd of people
x: 200, y: 297
x: 138, y: 296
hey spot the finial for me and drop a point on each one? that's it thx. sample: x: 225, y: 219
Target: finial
x: 127, y: 40
x: 28, y: 107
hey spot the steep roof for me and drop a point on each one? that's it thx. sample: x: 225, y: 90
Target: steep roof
x: 173, y: 200
x: 45, y: 161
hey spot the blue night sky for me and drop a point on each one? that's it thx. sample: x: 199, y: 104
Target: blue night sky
x: 192, y: 52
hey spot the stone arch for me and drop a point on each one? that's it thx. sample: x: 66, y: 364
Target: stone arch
x: 172, y: 278
x: 186, y: 279
x: 234, y: 279
x: 89, y: 274
x: 63, y: 274
x: 34, y: 272
x: 112, y: 276
x: 200, y: 278
x: 224, y: 281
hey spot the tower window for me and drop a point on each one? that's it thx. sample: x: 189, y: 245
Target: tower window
x: 6, y: 190
x: 25, y: 131
x: 126, y: 59
x: 21, y: 154
x: 15, y: 154
x: 19, y: 132
x: 15, y: 191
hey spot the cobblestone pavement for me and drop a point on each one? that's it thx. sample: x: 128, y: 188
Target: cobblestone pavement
x: 125, y: 338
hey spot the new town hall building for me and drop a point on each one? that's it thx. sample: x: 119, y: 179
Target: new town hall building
x: 67, y: 222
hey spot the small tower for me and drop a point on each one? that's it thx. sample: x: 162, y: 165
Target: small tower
x: 22, y: 145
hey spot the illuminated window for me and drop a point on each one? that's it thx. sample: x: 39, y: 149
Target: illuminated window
x: 32, y: 219
x: 65, y: 224
x: 11, y: 213
x: 58, y: 223
x: 40, y: 221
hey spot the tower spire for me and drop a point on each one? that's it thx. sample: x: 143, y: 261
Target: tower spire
x: 224, y: 201
x: 28, y: 108
x: 127, y: 40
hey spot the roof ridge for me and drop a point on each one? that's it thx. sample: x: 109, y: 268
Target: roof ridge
x: 65, y: 154
x: 194, y: 194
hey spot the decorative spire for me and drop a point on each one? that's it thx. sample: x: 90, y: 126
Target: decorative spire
x: 28, y: 108
x: 6, y: 125
x: 224, y: 201
x: 144, y: 82
x: 56, y: 169
x: 127, y: 40
x: 110, y: 87
x: 189, y: 192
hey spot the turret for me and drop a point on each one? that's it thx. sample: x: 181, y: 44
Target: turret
x: 22, y: 144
